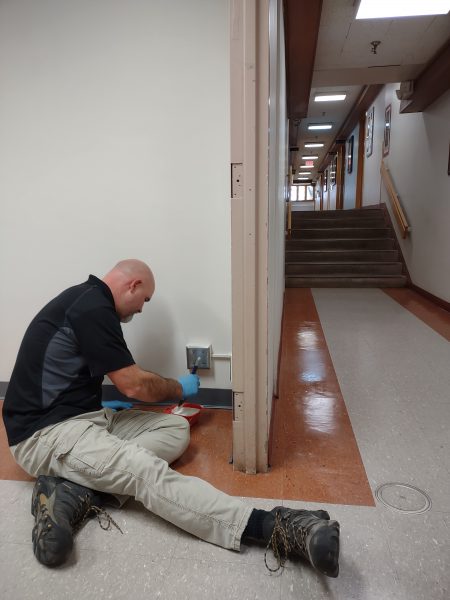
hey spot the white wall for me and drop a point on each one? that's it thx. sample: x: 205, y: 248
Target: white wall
x: 418, y: 162
x: 114, y: 143
x: 277, y: 188
x: 372, y: 177
x: 350, y: 178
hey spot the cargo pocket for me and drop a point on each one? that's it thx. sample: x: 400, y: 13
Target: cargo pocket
x: 85, y: 447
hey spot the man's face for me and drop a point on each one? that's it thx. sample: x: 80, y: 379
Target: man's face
x: 136, y: 293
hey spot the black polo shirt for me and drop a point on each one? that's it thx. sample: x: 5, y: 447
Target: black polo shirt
x: 67, y: 349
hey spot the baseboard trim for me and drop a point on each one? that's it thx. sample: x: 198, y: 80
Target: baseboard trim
x: 434, y: 299
x: 207, y: 397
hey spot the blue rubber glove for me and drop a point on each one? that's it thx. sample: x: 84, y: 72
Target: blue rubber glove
x: 116, y: 404
x: 190, y: 384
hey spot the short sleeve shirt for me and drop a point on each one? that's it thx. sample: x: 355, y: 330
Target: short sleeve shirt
x: 67, y: 349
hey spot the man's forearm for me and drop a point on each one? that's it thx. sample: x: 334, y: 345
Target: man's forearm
x: 146, y: 386
x: 153, y: 388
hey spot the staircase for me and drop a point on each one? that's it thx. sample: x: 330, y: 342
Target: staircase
x: 342, y: 248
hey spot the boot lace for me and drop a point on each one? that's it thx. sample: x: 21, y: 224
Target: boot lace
x: 84, y: 511
x: 286, y: 537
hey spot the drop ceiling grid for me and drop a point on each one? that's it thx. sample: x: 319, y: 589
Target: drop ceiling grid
x: 345, y: 43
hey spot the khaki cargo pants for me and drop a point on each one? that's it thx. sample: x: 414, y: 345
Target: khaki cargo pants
x: 127, y: 453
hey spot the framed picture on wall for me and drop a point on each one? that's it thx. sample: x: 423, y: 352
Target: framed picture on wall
x: 333, y: 172
x: 387, y: 130
x: 350, y: 154
x: 370, y: 117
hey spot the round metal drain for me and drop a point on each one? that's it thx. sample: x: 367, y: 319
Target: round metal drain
x: 403, y: 497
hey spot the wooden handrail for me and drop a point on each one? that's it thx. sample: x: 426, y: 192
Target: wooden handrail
x: 395, y: 201
x: 289, y: 218
x: 289, y: 206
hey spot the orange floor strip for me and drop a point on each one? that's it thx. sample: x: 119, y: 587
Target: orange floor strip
x: 314, y: 436
x: 434, y: 316
x: 9, y: 469
x: 315, y: 456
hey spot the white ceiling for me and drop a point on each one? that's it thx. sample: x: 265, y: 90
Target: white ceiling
x: 344, y: 60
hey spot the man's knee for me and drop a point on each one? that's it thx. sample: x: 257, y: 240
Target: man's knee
x: 183, y: 430
x: 183, y: 425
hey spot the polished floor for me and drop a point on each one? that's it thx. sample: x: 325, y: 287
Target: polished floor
x: 363, y: 402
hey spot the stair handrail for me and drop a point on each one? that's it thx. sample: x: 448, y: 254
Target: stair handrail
x: 395, y: 200
x: 289, y: 217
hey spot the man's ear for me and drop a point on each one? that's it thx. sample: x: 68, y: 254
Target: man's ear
x: 134, y: 284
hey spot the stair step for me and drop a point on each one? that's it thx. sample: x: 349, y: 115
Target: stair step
x: 345, y: 244
x: 342, y: 248
x: 361, y: 269
x: 339, y: 214
x: 341, y: 232
x: 340, y: 255
x: 310, y: 223
x: 332, y: 281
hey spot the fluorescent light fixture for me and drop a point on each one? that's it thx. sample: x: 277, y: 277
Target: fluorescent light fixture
x: 314, y: 145
x: 305, y: 166
x: 304, y: 178
x: 305, y: 173
x: 320, y: 126
x: 312, y: 157
x: 385, y: 9
x: 329, y: 97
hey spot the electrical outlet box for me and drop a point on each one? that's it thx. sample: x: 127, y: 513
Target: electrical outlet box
x: 198, y: 355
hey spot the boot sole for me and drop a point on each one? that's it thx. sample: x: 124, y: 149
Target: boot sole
x: 325, y: 541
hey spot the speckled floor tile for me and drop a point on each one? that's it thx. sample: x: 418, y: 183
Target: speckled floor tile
x: 92, y: 574
x: 143, y: 533
x: 394, y: 375
x: 419, y: 545
x: 16, y: 520
x: 204, y: 580
x: 424, y: 309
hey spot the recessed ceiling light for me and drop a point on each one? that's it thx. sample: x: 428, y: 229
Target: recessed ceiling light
x: 320, y: 126
x: 312, y: 157
x: 329, y: 97
x: 305, y: 166
x: 304, y: 178
x: 384, y: 9
x: 306, y: 173
x: 314, y: 145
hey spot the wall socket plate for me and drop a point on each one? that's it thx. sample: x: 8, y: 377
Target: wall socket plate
x: 198, y: 355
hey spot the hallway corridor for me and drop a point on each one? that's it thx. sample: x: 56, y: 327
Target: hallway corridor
x: 376, y: 412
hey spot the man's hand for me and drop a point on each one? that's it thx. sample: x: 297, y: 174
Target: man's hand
x: 190, y: 384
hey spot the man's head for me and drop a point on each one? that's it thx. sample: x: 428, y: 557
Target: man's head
x: 131, y: 283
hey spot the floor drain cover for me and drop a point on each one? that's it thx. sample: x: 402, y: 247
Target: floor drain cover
x: 403, y: 497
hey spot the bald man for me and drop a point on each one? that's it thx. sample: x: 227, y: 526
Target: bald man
x: 86, y: 456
